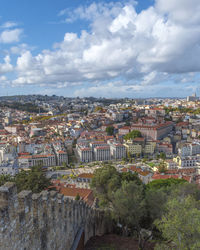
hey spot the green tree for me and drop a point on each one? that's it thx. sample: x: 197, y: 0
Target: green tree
x: 110, y: 130
x: 166, y: 183
x: 34, y: 180
x: 129, y: 207
x: 133, y: 134
x: 128, y: 176
x: 106, y: 180
x: 129, y: 155
x: 185, y: 189
x: 145, y: 159
x: 155, y: 200
x: 5, y: 178
x: 162, y: 167
x: 180, y: 223
x: 77, y: 198
x: 163, y: 155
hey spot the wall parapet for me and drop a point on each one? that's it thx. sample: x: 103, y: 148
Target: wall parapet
x: 47, y: 220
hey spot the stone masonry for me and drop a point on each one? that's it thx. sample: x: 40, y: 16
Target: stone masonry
x: 44, y: 221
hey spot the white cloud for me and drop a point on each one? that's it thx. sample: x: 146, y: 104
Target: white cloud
x: 6, y: 66
x: 145, y: 48
x: 10, y: 36
x: 8, y: 25
x: 21, y: 48
x: 181, y: 11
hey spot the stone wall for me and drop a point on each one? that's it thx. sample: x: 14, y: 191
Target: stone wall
x: 44, y: 221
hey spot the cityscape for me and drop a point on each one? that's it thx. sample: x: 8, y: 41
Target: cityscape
x: 99, y: 125
x: 71, y: 138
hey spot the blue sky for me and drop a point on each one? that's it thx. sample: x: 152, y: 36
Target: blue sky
x: 100, y: 48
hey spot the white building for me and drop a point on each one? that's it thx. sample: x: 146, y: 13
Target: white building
x: 117, y: 150
x: 8, y: 160
x: 189, y: 149
x: 102, y: 153
x: 9, y: 168
x: 95, y: 144
x: 85, y: 154
x: 189, y: 161
x: 61, y: 153
x: 27, y: 161
x: 7, y: 152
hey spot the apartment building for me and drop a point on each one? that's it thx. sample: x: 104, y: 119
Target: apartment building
x: 189, y: 149
x: 189, y: 161
x: 102, y: 153
x: 117, y: 150
x: 27, y: 160
x: 149, y: 148
x: 61, y: 153
x: 133, y: 149
x: 95, y: 144
x: 154, y: 132
x: 9, y: 168
x: 85, y: 154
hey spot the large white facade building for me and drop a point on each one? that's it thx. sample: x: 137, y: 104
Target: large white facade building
x: 117, y: 150
x: 85, y: 154
x: 102, y: 153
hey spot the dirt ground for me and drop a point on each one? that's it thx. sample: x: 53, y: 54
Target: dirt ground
x: 114, y: 242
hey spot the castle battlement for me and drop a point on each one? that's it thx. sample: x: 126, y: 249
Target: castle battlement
x: 47, y: 220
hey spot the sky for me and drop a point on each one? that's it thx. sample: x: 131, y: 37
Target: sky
x: 135, y: 49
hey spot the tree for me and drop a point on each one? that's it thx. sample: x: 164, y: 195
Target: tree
x: 185, y: 189
x: 106, y: 180
x: 145, y: 159
x: 128, y: 176
x: 155, y: 200
x: 5, y: 178
x: 163, y: 155
x: 110, y: 130
x: 138, y: 155
x: 77, y: 198
x: 129, y: 207
x: 98, y: 108
x: 164, y: 184
x: 162, y: 167
x: 133, y: 134
x: 129, y: 155
x: 34, y: 180
x: 180, y: 223
x: 64, y: 164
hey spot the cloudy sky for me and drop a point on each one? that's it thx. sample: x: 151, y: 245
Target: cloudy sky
x: 141, y: 48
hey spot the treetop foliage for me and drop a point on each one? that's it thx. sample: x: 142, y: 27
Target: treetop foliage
x: 169, y: 209
x: 133, y: 134
x: 110, y: 130
x: 159, y: 184
x: 34, y: 180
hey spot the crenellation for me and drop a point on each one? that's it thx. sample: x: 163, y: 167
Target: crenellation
x: 25, y: 200
x: 8, y: 195
x: 47, y: 220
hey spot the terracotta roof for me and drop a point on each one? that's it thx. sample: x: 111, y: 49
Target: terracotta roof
x: 85, y: 149
x: 61, y: 152
x: 42, y: 156
x: 124, y: 170
x: 160, y: 176
x: 138, y: 139
x: 103, y: 147
x: 86, y: 175
x: 72, y: 192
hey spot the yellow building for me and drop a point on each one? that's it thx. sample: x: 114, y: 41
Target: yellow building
x: 178, y: 160
x: 133, y: 149
x: 149, y: 148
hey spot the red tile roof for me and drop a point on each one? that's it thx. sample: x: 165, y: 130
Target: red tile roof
x: 86, y: 175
